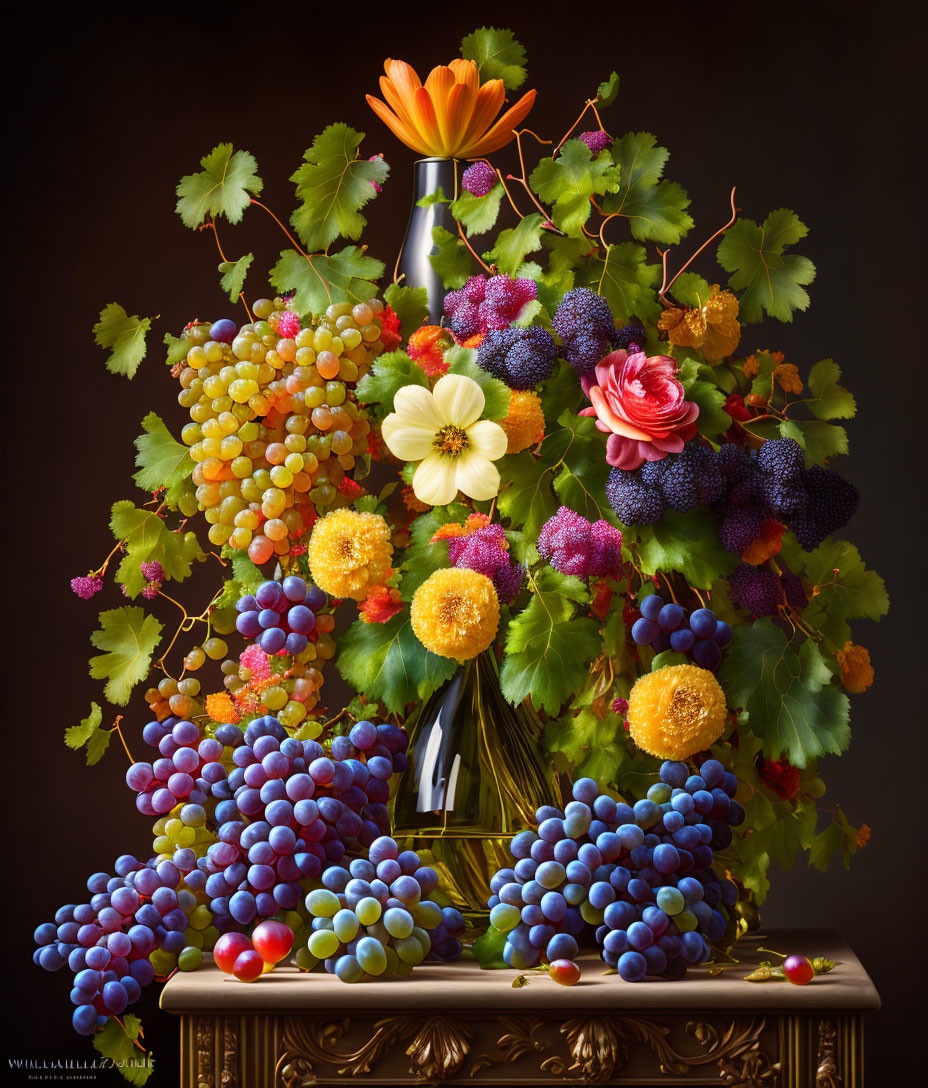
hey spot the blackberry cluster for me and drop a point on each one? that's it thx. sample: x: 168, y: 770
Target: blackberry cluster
x: 681, y: 482
x: 519, y: 357
x: 585, y: 324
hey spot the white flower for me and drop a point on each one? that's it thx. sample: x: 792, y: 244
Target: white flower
x: 443, y: 430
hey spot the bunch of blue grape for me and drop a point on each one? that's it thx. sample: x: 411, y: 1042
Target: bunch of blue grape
x: 146, y: 919
x: 374, y: 916
x: 280, y: 615
x: 667, y: 916
x: 188, y: 766
x: 699, y: 634
x: 596, y: 853
x: 287, y: 809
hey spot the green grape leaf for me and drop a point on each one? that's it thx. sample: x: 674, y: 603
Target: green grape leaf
x: 568, y: 181
x: 854, y: 591
x: 247, y: 574
x: 825, y: 845
x: 696, y: 379
x: 147, y: 539
x: 514, y: 243
x: 117, y: 1042
x: 388, y: 375
x: 549, y: 648
x: 333, y: 184
x: 820, y: 440
x: 526, y: 497
x: 89, y: 735
x: 688, y: 543
x: 497, y: 55
x: 770, y: 280
x: 477, y: 214
x: 691, y: 289
x: 422, y: 558
x: 608, y: 91
x: 792, y: 704
x: 437, y: 196
x: 451, y: 259
x: 655, y: 209
x: 389, y: 664
x: 233, y: 276
x: 321, y: 279
x: 580, y: 483
x: 561, y: 392
x: 162, y: 461
x: 177, y: 346
x: 129, y: 638
x: 626, y: 281
x: 222, y: 187
x: 464, y: 361
x: 125, y: 336
x: 488, y: 949
x: 594, y: 746
x: 829, y: 400
x: 411, y: 305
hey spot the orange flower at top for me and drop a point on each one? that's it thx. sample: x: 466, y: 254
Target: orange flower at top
x: 451, y: 115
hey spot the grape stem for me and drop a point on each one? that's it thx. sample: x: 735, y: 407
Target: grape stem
x: 665, y: 286
x: 293, y: 241
x: 590, y: 104
x: 523, y: 181
x: 121, y: 737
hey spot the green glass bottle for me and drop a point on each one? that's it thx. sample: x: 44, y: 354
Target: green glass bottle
x: 475, y: 775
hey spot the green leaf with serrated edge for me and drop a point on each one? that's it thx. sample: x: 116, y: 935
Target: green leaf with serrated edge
x: 233, y: 276
x: 116, y: 1042
x: 568, y: 181
x: 464, y: 361
x: 548, y: 647
x: 477, y: 214
x: 389, y: 664
x: 625, y: 280
x: 793, y: 706
x: 561, y: 392
x: 125, y: 336
x: 388, y: 375
x: 608, y: 90
x: 247, y: 574
x: 770, y: 280
x: 437, y: 196
x: 526, y: 496
x: 87, y: 734
x: 854, y: 591
x: 828, y: 399
x: 452, y: 260
x: 162, y: 461
x: 688, y: 543
x: 177, y: 348
x: 820, y: 440
x: 332, y: 185
x: 129, y: 638
x: 488, y: 949
x: 594, y: 746
x: 222, y: 187
x: 695, y: 378
x: 691, y: 289
x: 532, y: 313
x: 422, y: 558
x: 497, y: 55
x: 514, y: 243
x: 411, y: 305
x: 318, y: 280
x: 147, y: 539
x: 763, y: 382
x: 580, y: 483
x: 655, y: 209
x: 825, y: 845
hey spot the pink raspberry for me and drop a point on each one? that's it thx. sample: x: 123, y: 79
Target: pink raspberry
x: 479, y: 179
x: 153, y: 571
x: 573, y: 545
x: 256, y: 659
x: 486, y: 551
x: 86, y: 587
x: 596, y: 141
x: 289, y: 324
x: 150, y: 591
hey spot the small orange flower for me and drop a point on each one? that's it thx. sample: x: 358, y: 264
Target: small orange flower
x: 427, y: 348
x: 712, y: 328
x: 455, y: 528
x: 451, y: 116
x: 856, y: 670
x: 787, y: 377
x: 766, y: 545
x: 220, y: 708
x: 381, y: 604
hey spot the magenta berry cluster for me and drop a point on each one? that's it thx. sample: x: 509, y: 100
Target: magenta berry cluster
x: 87, y: 586
x: 596, y: 141
x: 479, y: 179
x: 486, y: 551
x: 573, y: 545
x: 289, y: 324
x: 483, y: 304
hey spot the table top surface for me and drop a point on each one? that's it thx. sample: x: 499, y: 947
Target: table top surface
x: 466, y: 986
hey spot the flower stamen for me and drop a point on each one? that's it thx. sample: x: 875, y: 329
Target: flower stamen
x: 451, y: 441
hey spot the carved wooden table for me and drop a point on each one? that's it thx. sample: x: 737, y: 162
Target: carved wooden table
x: 458, y: 1024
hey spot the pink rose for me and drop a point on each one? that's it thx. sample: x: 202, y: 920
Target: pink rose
x: 639, y: 403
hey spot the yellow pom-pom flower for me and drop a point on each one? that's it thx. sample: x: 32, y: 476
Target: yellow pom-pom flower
x: 349, y: 552
x: 455, y: 613
x: 525, y: 423
x: 676, y: 711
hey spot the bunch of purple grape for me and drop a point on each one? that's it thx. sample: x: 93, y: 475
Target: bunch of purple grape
x: 112, y: 943
x: 374, y: 916
x: 699, y: 634
x: 600, y: 862
x: 280, y: 615
x: 288, y: 809
x: 188, y: 767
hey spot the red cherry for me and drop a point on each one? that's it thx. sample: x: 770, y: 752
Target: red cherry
x: 248, y: 966
x: 564, y: 972
x: 272, y: 940
x: 228, y: 949
x: 798, y: 969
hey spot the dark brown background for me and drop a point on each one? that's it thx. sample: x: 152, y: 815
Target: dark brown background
x: 809, y: 108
